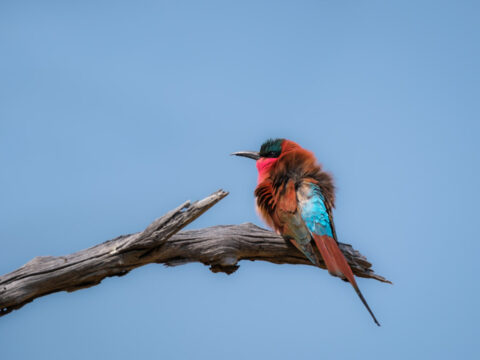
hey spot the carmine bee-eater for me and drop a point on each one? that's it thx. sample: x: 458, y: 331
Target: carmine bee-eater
x: 295, y: 197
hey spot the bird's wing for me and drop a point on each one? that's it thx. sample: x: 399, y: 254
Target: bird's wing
x: 316, y: 213
x: 290, y: 223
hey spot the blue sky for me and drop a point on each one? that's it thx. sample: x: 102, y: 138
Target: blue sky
x: 114, y: 112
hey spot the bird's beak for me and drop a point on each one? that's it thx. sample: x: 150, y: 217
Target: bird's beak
x: 249, y: 154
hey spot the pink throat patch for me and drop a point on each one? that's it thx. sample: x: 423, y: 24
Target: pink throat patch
x: 263, y: 166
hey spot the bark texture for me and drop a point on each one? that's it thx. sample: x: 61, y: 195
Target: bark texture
x: 220, y: 247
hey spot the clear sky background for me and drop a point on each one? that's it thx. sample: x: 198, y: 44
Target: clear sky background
x: 114, y: 112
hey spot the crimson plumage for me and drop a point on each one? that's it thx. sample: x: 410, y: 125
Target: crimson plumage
x: 295, y: 197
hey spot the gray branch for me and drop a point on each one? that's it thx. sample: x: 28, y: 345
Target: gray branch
x: 220, y: 247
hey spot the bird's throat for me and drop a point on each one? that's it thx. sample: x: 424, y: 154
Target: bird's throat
x: 264, y: 165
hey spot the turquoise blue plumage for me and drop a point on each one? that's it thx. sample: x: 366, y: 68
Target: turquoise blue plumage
x: 314, y: 212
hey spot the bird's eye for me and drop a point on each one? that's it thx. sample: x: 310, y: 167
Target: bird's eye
x: 272, y: 154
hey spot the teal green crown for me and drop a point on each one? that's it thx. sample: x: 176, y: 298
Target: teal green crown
x: 271, y: 148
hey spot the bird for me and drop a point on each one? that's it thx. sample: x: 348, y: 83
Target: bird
x: 295, y: 197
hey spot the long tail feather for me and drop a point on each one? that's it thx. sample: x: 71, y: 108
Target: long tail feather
x: 337, y: 265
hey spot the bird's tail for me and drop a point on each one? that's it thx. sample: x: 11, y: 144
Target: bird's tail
x: 337, y: 265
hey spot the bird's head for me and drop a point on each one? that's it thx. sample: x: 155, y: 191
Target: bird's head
x: 269, y: 153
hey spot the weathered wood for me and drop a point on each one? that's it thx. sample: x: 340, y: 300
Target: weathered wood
x: 220, y: 247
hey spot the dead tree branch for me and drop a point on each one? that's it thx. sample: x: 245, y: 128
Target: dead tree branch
x: 220, y: 247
